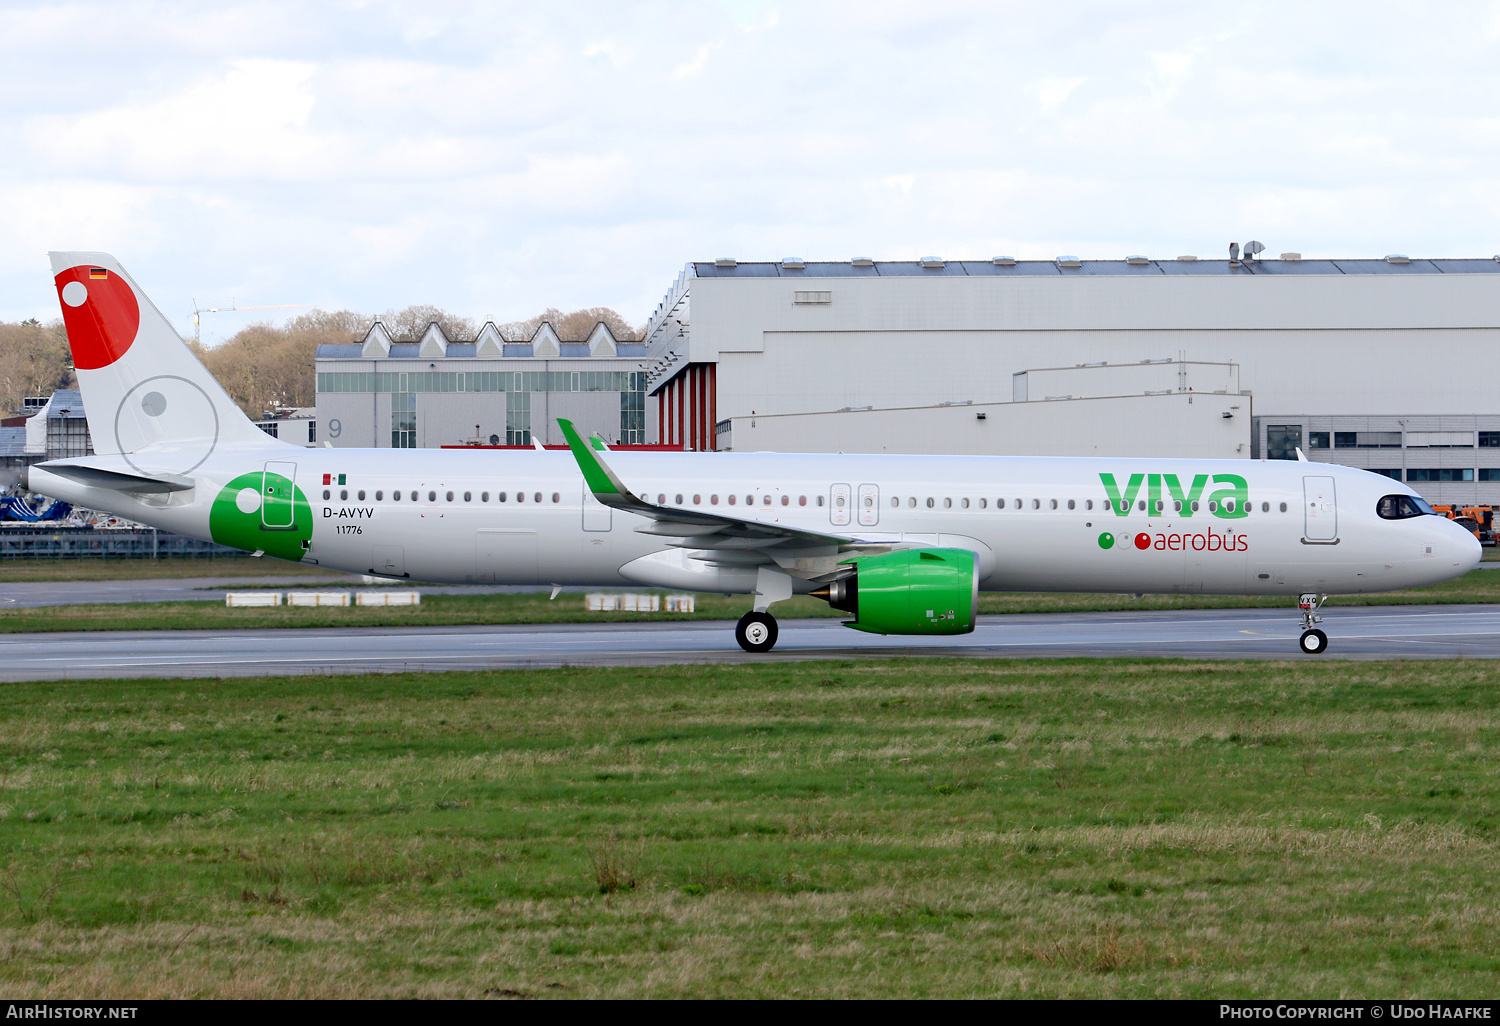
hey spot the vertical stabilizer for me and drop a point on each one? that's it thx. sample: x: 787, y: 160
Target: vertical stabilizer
x: 147, y: 396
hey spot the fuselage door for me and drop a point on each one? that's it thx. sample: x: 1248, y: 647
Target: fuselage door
x: 1320, y: 510
x: 869, y: 505
x: 278, y: 494
x: 838, y: 505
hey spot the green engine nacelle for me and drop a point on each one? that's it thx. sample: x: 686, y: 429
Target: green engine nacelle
x: 911, y: 591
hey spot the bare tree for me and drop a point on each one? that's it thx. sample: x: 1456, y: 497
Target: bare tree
x: 263, y: 367
x: 571, y: 327
x: 408, y: 325
x: 34, y: 360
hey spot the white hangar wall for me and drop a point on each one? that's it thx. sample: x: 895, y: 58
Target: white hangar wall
x: 1322, y: 346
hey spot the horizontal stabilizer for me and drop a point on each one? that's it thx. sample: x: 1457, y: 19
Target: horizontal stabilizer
x: 116, y: 480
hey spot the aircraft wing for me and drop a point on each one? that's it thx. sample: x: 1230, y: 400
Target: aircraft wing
x: 715, y: 537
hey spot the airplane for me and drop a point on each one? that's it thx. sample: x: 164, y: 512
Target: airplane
x: 903, y: 544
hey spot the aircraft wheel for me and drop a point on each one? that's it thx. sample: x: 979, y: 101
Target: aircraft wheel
x: 756, y: 632
x: 1314, y: 642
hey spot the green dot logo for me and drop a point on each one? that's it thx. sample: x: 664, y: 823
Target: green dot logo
x: 262, y: 511
x: 1106, y: 540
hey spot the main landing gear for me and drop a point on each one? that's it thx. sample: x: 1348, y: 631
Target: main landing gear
x: 756, y: 632
x: 1313, y: 641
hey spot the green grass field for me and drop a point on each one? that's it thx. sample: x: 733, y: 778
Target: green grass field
x: 18, y: 570
x: 883, y: 828
x: 1477, y: 586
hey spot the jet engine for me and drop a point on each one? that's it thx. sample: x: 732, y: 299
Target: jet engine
x: 910, y: 591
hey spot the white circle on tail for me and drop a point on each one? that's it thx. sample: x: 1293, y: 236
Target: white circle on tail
x: 166, y: 424
x: 248, y: 500
x: 75, y: 293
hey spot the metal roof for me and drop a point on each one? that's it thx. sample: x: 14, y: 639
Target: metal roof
x: 65, y: 401
x: 12, y: 441
x: 1089, y: 268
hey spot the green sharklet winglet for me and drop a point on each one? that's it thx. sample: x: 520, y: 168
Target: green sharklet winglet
x: 607, y: 488
x: 598, y: 443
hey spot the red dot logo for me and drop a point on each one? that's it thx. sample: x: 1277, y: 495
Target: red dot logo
x: 101, y: 313
x: 1143, y: 540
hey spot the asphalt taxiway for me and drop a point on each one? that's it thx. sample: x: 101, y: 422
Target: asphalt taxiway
x: 1373, y: 632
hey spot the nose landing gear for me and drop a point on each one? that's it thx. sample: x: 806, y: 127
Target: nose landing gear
x: 1313, y: 641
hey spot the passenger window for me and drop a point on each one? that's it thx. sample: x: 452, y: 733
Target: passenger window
x: 537, y: 497
x: 1283, y: 506
x: 947, y: 503
x: 911, y: 502
x: 1177, y: 506
x: 361, y: 495
x: 520, y: 496
x: 379, y: 495
x: 500, y: 496
x: 1141, y: 505
x: 326, y: 494
x: 964, y: 503
x: 1213, y: 507
x: 1072, y: 504
x: 999, y: 503
x: 432, y: 496
x: 820, y: 500
x: 1195, y: 506
x: 733, y: 499
x: 931, y: 502
x: 677, y: 499
x: 468, y: 496
x: 895, y: 502
x: 450, y: 496
x: 697, y: 500
x: 1229, y: 505
x: 767, y: 501
x: 713, y: 500
x: 802, y: 500
x: 1036, y: 503
x: 484, y: 496
x: 1018, y: 504
x: 1265, y: 507
x: 750, y: 500
x: 1089, y: 504
x: 661, y: 500
x: 1054, y: 503
x: 984, y: 503
x: 1160, y: 505
x: 786, y: 500
x: 556, y: 497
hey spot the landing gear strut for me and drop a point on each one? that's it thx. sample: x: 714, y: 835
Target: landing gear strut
x: 1313, y: 641
x: 756, y: 632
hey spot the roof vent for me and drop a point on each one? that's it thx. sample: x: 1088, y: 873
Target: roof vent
x: 933, y: 262
x: 792, y: 264
x: 1007, y: 261
x: 726, y: 262
x: 862, y: 262
x: 1137, y: 261
x: 1069, y: 261
x: 1397, y: 258
x: 1187, y: 258
x: 1293, y: 257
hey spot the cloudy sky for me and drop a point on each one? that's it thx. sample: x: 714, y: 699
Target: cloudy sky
x: 499, y: 158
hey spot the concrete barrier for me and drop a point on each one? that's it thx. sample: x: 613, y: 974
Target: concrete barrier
x: 317, y: 598
x: 252, y: 598
x: 388, y: 598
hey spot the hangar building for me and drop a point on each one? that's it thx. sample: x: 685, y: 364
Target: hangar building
x: 1387, y: 364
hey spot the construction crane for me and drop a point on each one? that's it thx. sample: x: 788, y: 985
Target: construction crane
x: 199, y: 311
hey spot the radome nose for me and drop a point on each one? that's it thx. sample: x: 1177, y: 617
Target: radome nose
x: 1467, y: 550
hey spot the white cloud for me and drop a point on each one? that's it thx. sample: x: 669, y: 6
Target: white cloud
x: 694, y: 67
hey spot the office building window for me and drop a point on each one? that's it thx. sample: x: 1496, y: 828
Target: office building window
x: 1489, y: 473
x: 1317, y: 440
x: 1489, y: 439
x: 1283, y: 440
x: 403, y: 421
x: 518, y: 418
x: 1440, y: 474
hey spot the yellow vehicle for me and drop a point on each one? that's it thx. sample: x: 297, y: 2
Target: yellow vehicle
x: 1479, y: 520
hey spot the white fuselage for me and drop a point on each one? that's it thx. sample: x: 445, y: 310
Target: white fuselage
x: 1295, y: 528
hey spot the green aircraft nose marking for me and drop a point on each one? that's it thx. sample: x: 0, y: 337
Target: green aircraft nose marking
x: 237, y: 518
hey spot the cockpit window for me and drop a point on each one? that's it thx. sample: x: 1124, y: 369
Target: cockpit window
x: 1403, y: 507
